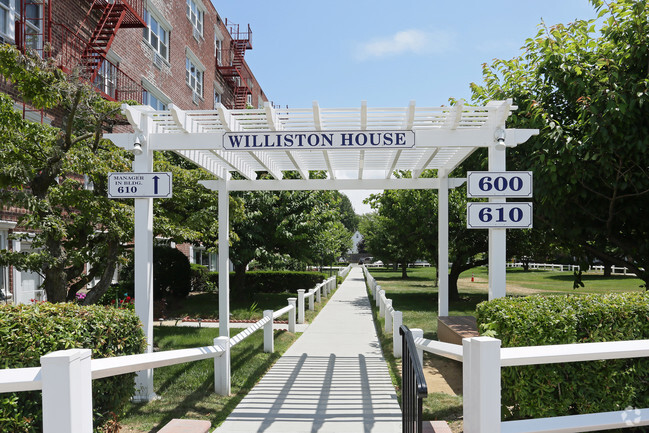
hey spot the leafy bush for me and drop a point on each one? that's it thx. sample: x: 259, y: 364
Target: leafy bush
x: 171, y: 274
x: 570, y: 388
x: 28, y: 332
x: 200, y: 281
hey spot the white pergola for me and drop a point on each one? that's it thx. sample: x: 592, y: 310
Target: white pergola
x: 359, y: 148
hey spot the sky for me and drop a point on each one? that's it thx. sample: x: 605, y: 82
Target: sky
x: 387, y: 53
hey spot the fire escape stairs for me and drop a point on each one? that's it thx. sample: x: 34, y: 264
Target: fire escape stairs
x: 237, y: 73
x: 102, y: 38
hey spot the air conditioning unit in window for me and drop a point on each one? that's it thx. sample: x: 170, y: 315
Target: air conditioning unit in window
x: 195, y: 98
x: 197, y: 34
x: 158, y: 61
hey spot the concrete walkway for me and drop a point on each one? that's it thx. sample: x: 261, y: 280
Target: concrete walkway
x: 333, y: 379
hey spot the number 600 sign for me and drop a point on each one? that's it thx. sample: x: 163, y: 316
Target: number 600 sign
x: 499, y: 184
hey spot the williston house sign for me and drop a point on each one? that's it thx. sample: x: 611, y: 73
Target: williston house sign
x: 318, y: 140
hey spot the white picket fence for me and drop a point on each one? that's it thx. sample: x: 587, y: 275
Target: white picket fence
x: 342, y: 273
x: 615, y: 270
x: 65, y: 376
x: 482, y: 360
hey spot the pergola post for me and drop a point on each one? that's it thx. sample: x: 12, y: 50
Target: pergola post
x: 497, y: 237
x: 143, y: 263
x: 442, y: 242
x: 224, y: 259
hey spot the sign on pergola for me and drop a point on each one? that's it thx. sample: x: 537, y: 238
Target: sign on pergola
x: 359, y: 148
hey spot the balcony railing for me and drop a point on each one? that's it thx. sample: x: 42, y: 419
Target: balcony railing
x: 109, y: 79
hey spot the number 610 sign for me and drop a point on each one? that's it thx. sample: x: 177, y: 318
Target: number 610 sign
x: 499, y: 215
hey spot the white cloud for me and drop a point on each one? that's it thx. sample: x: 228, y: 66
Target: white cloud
x: 407, y: 41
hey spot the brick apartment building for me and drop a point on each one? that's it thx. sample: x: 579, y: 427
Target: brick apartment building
x: 156, y: 52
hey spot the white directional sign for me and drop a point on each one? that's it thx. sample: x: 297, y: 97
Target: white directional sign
x: 139, y: 185
x: 499, y: 184
x: 499, y: 215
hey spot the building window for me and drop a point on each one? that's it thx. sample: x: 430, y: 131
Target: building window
x: 218, y: 50
x: 195, y: 16
x: 156, y: 35
x: 10, y: 14
x: 217, y: 98
x: 249, y: 100
x: 194, y: 77
x: 152, y: 101
x: 207, y: 259
x: 106, y: 79
x: 4, y: 271
x: 5, y: 17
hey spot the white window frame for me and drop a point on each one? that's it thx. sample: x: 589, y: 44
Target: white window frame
x: 195, y: 11
x: 194, y: 73
x: 4, y: 270
x: 159, y: 47
x: 218, y: 46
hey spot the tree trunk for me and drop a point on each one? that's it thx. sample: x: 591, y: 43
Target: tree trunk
x: 607, y: 268
x: 95, y: 294
x: 55, y: 281
x: 404, y: 271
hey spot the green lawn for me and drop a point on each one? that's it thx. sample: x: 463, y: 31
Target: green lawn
x: 206, y: 306
x: 416, y: 297
x: 187, y: 390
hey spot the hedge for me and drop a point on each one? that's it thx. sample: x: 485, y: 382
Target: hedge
x: 570, y: 388
x: 274, y: 281
x: 28, y: 332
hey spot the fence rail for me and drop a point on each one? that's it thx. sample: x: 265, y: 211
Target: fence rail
x: 482, y: 359
x: 65, y: 376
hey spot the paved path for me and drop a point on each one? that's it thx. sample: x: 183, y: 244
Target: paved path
x: 332, y: 380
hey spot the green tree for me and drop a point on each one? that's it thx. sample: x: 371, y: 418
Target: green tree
x: 404, y: 228
x: 71, y: 223
x: 276, y: 224
x: 586, y: 86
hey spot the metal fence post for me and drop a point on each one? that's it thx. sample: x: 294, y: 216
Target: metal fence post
x: 397, y: 321
x: 418, y: 333
x: 291, y: 314
x: 222, y: 367
x: 300, y: 306
x: 269, y: 341
x: 481, y: 377
x: 67, y: 391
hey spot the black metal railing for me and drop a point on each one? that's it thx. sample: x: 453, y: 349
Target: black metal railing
x: 413, y: 383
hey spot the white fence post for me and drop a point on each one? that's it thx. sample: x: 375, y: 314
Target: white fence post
x: 418, y: 333
x: 67, y: 391
x: 377, y: 295
x: 318, y: 290
x: 481, y: 381
x: 388, y: 315
x: 382, y: 303
x: 269, y: 341
x: 397, y: 321
x: 300, y: 306
x: 291, y: 314
x: 222, y: 367
x: 312, y: 300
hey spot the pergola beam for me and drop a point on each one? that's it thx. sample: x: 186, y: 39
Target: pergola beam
x: 331, y: 184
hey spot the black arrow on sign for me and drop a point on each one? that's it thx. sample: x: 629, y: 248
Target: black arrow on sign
x: 155, y: 184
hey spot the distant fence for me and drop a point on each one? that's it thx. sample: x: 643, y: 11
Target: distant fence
x: 65, y: 376
x: 482, y: 360
x: 615, y: 270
